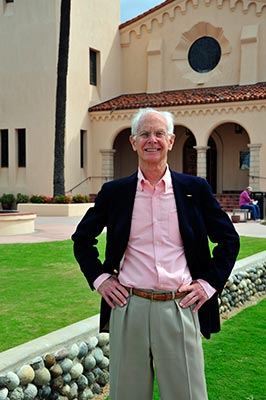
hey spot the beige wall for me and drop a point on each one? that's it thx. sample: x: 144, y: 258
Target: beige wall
x: 154, y: 59
x: 149, y: 55
x: 28, y: 49
x: 90, y: 28
x: 29, y: 31
x: 203, y: 121
x: 162, y: 42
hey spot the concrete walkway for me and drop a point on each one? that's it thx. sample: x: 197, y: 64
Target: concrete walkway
x: 48, y: 229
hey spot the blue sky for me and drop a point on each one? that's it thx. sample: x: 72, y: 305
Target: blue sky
x: 132, y: 8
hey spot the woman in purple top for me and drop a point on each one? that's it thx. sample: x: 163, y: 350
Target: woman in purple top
x: 246, y: 202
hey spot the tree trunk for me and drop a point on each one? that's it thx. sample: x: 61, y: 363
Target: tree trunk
x: 61, y: 92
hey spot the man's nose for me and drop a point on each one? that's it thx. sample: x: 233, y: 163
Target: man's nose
x: 152, y: 137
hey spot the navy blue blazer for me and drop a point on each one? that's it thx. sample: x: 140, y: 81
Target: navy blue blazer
x: 200, y: 218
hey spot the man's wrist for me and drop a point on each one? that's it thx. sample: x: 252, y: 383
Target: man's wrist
x: 207, y: 287
x: 98, y: 281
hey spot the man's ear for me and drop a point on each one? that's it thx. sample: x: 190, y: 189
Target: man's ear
x: 133, y: 141
x: 171, y: 142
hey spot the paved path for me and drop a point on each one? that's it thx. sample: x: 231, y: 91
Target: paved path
x: 49, y: 229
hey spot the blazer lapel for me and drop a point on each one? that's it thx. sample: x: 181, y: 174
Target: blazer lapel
x: 184, y: 204
x: 125, y: 197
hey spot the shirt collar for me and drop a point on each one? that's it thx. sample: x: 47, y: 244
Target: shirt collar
x: 166, y: 179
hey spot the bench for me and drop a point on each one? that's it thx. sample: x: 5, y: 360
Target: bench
x: 245, y: 213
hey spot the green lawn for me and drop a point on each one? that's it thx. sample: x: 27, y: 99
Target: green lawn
x: 42, y: 288
x: 235, y: 358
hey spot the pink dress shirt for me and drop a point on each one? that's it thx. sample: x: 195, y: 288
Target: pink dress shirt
x: 155, y: 257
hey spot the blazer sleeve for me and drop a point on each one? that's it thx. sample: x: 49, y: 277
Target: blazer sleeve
x: 221, y: 232
x: 85, y: 239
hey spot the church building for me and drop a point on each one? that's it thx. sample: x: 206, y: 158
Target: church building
x: 204, y: 61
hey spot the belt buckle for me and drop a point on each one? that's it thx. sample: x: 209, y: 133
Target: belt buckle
x: 173, y: 295
x: 152, y: 296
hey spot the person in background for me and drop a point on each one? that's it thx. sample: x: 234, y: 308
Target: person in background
x: 159, y: 280
x: 246, y: 202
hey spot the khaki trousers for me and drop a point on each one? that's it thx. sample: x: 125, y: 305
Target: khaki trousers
x: 150, y: 335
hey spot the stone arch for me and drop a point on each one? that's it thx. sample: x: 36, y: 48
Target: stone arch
x: 125, y: 159
x: 230, y: 140
x: 190, y: 155
x: 215, y: 159
x: 212, y: 164
x: 176, y: 156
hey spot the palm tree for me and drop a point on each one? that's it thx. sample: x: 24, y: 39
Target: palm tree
x: 61, y: 91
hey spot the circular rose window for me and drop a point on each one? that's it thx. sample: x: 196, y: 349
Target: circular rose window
x: 204, y: 54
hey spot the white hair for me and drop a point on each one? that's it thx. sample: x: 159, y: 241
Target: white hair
x: 169, y: 119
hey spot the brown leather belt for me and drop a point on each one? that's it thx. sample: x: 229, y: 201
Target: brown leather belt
x: 155, y: 296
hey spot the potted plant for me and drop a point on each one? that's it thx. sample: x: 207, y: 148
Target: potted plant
x: 80, y: 198
x: 22, y: 198
x: 8, y: 201
x: 40, y: 199
x: 61, y: 199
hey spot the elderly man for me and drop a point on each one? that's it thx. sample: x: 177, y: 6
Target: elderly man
x: 159, y: 280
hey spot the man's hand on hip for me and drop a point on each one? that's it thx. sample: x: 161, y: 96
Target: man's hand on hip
x: 196, y: 295
x: 113, y: 292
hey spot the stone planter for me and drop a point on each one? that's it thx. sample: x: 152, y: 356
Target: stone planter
x: 56, y: 210
x: 6, y: 205
x: 16, y: 223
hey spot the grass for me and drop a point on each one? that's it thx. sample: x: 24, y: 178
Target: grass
x: 235, y: 358
x: 42, y: 288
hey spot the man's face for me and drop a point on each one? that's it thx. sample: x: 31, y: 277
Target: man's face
x: 152, y: 142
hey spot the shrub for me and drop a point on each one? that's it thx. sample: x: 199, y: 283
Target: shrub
x: 40, y: 199
x: 61, y: 199
x: 80, y: 198
x: 8, y: 201
x: 7, y: 198
x: 22, y: 198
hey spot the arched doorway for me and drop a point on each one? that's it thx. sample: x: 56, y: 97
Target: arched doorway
x: 190, y: 156
x: 190, y: 160
x: 212, y: 164
x: 125, y: 159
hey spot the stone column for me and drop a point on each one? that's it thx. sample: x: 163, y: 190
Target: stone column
x: 107, y: 164
x: 254, y: 165
x: 201, y: 161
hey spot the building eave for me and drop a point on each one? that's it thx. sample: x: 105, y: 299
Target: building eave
x: 186, y: 97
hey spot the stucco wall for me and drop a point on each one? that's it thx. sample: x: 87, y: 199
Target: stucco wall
x: 170, y: 32
x: 150, y: 55
x: 28, y: 86
x: 94, y: 24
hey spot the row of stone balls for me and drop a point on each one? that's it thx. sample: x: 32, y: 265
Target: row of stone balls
x: 77, y: 373
x: 242, y: 286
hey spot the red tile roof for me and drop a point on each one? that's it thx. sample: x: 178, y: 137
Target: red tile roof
x: 145, y: 13
x: 221, y: 94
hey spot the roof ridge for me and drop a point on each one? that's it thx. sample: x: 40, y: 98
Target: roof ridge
x: 206, y: 95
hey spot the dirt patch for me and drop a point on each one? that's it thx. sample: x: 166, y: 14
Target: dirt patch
x: 252, y: 302
x: 104, y: 394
